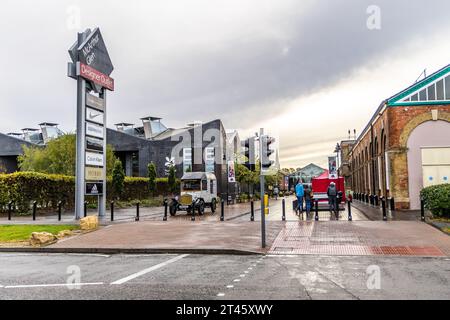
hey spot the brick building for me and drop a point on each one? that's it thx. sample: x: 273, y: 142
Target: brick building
x: 406, y: 144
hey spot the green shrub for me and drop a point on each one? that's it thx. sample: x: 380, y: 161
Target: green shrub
x: 437, y: 199
x: 118, y: 178
x: 48, y: 189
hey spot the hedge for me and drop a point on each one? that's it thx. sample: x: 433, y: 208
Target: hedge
x: 48, y: 189
x: 437, y: 199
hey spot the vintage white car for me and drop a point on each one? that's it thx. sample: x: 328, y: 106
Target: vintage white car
x: 198, y: 191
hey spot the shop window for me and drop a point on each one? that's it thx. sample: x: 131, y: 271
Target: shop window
x: 423, y: 95
x: 432, y: 92
x: 440, y: 90
x: 447, y: 88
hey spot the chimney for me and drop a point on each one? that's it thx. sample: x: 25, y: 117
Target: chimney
x: 49, y: 131
x: 28, y: 132
x: 152, y: 126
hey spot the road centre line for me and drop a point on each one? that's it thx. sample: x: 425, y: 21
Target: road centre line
x: 145, y: 271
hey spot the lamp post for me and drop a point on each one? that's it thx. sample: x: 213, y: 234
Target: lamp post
x: 337, y: 150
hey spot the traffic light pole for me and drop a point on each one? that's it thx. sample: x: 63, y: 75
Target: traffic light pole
x: 261, y: 181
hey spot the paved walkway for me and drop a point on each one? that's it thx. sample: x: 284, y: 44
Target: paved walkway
x: 361, y: 238
x: 375, y: 213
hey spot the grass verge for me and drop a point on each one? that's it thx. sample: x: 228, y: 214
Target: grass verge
x: 17, y: 233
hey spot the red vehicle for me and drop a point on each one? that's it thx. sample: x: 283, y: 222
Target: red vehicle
x: 320, y: 187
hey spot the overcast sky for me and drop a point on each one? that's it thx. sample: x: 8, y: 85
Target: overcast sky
x: 307, y: 71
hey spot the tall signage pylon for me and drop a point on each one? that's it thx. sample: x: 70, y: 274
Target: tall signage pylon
x: 91, y: 67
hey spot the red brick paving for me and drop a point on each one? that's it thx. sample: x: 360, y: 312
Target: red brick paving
x: 399, y: 238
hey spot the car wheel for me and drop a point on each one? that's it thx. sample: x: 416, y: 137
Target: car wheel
x: 201, y: 208
x: 173, y: 209
x: 213, y: 206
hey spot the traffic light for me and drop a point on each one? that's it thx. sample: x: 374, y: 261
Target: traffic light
x: 249, y: 154
x: 266, y: 152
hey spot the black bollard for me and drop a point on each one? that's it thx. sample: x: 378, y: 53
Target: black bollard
x: 166, y: 204
x: 383, y: 204
x: 112, y: 210
x: 59, y: 210
x: 137, y: 210
x: 252, y: 211
x: 337, y: 208
x: 284, y: 210
x: 350, y: 218
x: 85, y: 209
x: 193, y: 212
x: 422, y: 210
x: 377, y: 201
x: 9, y: 210
x: 316, y: 205
x: 392, y: 204
x: 222, y: 210
x: 34, y: 210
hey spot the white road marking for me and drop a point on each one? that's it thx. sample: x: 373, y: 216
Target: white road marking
x: 237, y: 280
x: 155, y: 267
x: 221, y: 294
x: 242, y: 275
x: 54, y: 285
x: 230, y: 286
x: 89, y: 254
x: 250, y: 268
x: 245, y: 271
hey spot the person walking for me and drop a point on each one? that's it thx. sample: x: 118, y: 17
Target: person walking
x: 299, y: 192
x: 308, y: 199
x: 332, y: 197
x: 276, y: 191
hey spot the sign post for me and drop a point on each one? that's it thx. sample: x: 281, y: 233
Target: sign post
x: 91, y: 67
x: 262, y: 192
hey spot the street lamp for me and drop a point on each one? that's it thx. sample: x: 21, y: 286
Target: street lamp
x: 337, y: 150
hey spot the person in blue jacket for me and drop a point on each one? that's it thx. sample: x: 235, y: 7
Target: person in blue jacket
x: 299, y: 192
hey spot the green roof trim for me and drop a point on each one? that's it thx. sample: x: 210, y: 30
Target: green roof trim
x: 396, y: 100
x: 419, y: 103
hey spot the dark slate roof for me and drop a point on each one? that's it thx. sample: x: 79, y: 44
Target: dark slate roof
x: 11, y: 146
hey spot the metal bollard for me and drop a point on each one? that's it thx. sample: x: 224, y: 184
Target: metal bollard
x: 284, y: 210
x: 377, y: 201
x: 337, y: 208
x: 222, y: 210
x: 392, y: 204
x: 193, y: 212
x: 166, y: 204
x: 422, y: 210
x: 316, y: 205
x: 383, y: 204
x: 34, y: 210
x: 137, y: 210
x: 85, y: 209
x: 112, y: 210
x: 252, y: 211
x: 59, y: 210
x: 350, y: 218
x: 9, y: 210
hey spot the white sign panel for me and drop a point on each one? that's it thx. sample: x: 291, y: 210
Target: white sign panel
x: 94, y: 159
x: 94, y: 130
x: 231, y: 172
x: 332, y: 168
x: 94, y: 115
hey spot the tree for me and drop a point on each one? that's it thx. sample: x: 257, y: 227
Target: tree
x: 118, y: 178
x: 57, y: 157
x: 172, y: 180
x: 151, y: 168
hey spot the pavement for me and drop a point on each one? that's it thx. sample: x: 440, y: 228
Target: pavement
x: 221, y: 277
x: 300, y: 235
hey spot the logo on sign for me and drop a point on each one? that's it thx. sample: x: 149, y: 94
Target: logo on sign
x: 94, y: 159
x: 95, y: 102
x: 94, y: 115
x: 94, y: 130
